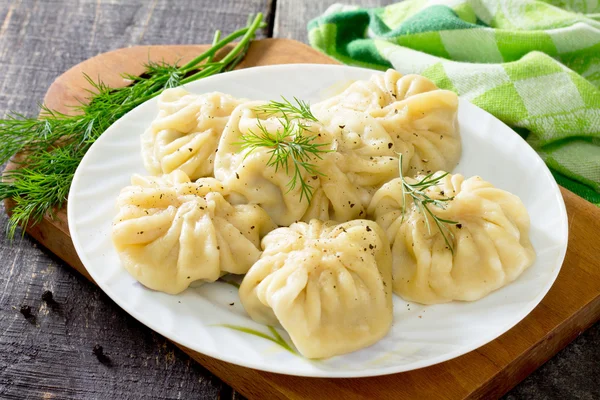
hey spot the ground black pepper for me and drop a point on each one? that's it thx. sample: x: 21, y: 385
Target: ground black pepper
x: 98, y: 351
x: 47, y: 296
x: 26, y: 311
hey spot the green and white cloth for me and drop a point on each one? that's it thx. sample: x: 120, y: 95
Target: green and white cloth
x: 534, y: 65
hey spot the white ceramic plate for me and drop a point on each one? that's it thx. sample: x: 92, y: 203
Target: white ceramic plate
x: 420, y: 335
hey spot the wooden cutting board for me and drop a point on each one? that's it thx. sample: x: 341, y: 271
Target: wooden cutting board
x: 571, y: 306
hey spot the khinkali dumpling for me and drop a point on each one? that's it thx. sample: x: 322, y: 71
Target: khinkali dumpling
x: 490, y: 240
x: 186, y: 132
x: 170, y: 232
x: 246, y: 173
x: 363, y: 159
x: 420, y: 118
x: 329, y: 286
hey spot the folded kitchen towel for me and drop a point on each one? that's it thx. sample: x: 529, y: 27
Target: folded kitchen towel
x: 534, y: 65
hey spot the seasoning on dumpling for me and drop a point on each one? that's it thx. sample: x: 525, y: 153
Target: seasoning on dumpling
x: 186, y: 132
x: 363, y: 159
x: 420, y: 118
x: 327, y: 285
x: 483, y: 248
x: 170, y: 232
x: 247, y: 171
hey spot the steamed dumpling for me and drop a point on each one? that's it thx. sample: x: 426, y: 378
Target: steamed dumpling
x: 329, y: 286
x: 420, y: 119
x: 362, y: 160
x: 490, y: 241
x: 170, y: 232
x: 186, y: 132
x: 246, y: 173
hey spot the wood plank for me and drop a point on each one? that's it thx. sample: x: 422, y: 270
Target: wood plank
x: 292, y: 16
x: 488, y: 371
x: 52, y: 358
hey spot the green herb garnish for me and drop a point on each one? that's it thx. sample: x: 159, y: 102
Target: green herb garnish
x: 52, y: 145
x: 422, y: 200
x: 290, y: 144
x: 290, y: 111
x: 276, y: 338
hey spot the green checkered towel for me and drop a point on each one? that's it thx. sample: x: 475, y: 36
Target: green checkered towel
x: 534, y: 65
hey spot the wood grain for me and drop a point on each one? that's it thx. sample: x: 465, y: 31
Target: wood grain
x: 52, y: 358
x: 487, y: 372
x: 292, y: 16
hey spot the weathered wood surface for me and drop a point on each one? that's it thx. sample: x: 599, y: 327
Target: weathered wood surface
x: 291, y: 16
x: 52, y: 357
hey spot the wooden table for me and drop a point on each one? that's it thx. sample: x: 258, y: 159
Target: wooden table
x: 51, y: 357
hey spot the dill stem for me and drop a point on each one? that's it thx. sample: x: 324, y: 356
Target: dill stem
x: 246, y: 39
x: 232, y: 56
x: 213, y: 50
x: 247, y: 32
x: 214, y: 43
x: 200, y: 74
x: 239, y: 57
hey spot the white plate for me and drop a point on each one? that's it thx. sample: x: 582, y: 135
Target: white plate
x: 420, y: 335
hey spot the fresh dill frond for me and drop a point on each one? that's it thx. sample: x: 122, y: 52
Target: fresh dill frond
x: 417, y: 191
x: 288, y: 145
x: 51, y: 146
x: 171, y: 72
x: 300, y: 110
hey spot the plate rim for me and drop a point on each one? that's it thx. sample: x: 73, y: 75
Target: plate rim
x: 211, y: 352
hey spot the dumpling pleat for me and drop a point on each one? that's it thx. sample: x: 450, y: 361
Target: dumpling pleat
x: 489, y: 239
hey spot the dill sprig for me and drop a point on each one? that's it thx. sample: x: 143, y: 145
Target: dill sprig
x: 417, y: 191
x: 289, y: 144
x: 300, y: 110
x: 50, y: 147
